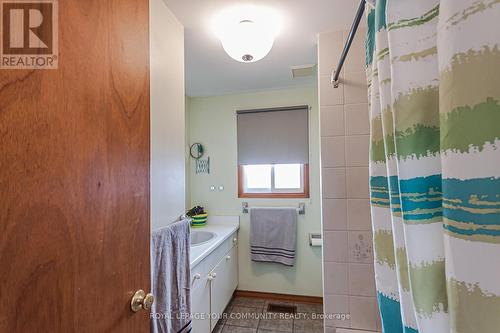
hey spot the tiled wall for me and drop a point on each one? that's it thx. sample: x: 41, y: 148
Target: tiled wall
x: 349, y: 285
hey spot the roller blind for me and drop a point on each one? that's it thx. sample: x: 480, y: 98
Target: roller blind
x: 273, y: 136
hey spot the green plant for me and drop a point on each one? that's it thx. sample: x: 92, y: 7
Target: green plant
x: 196, y: 210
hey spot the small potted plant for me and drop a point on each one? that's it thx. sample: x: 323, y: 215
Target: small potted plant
x: 198, y: 215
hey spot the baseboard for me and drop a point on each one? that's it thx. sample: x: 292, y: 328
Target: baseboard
x: 279, y: 297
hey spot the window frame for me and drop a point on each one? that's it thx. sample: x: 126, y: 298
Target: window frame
x: 277, y: 194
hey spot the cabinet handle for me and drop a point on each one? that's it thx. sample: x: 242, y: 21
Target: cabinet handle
x: 235, y: 240
x: 197, y: 276
x: 212, y: 276
x: 228, y: 258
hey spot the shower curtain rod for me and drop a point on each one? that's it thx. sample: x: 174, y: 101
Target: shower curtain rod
x: 347, y: 46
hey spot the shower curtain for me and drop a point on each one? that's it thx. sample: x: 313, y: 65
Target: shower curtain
x: 433, y: 70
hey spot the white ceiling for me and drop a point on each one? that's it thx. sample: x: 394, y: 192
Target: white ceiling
x: 210, y: 71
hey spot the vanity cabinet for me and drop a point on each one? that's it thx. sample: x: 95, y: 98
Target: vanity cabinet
x: 200, y: 303
x: 224, y: 280
x: 213, y: 282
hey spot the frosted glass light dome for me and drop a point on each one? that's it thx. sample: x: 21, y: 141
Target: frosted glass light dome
x: 247, y: 33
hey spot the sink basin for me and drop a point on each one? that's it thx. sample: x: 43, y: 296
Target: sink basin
x: 201, y: 237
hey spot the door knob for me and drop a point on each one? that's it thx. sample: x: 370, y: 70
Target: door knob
x: 141, y: 300
x: 228, y: 258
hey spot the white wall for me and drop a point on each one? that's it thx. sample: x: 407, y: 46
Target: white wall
x: 349, y: 281
x: 212, y: 122
x: 167, y: 116
x: 187, y: 154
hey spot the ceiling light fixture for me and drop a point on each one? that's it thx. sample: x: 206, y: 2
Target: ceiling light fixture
x: 247, y: 33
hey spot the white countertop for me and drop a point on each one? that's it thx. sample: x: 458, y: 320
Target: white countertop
x: 223, y: 227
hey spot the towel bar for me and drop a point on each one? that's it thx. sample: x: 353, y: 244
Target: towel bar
x: 301, y: 209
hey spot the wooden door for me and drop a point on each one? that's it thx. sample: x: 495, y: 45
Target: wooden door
x: 74, y: 176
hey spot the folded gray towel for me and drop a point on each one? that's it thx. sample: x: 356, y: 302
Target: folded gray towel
x: 273, y: 235
x: 170, y: 278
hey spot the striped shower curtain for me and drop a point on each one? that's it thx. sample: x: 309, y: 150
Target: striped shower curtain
x: 433, y: 69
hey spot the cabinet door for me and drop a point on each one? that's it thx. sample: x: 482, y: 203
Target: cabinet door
x: 224, y: 282
x: 200, y: 304
x: 233, y: 276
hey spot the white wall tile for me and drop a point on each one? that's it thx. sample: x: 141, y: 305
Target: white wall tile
x: 337, y: 276
x: 334, y: 214
x: 355, y: 87
x: 360, y: 247
x: 357, y: 150
x: 357, y: 119
x: 328, y: 95
x: 361, y: 280
x: 357, y: 182
x: 334, y: 183
x: 363, y: 311
x: 378, y: 320
x: 358, y: 214
x: 329, y: 329
x: 332, y: 120
x: 356, y: 61
x: 335, y: 246
x: 330, y: 46
x: 344, y: 115
x: 333, y: 152
x: 336, y: 304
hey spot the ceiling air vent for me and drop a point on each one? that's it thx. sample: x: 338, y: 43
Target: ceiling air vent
x: 303, y: 71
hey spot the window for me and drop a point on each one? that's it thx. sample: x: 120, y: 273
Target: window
x: 273, y: 153
x: 278, y: 180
